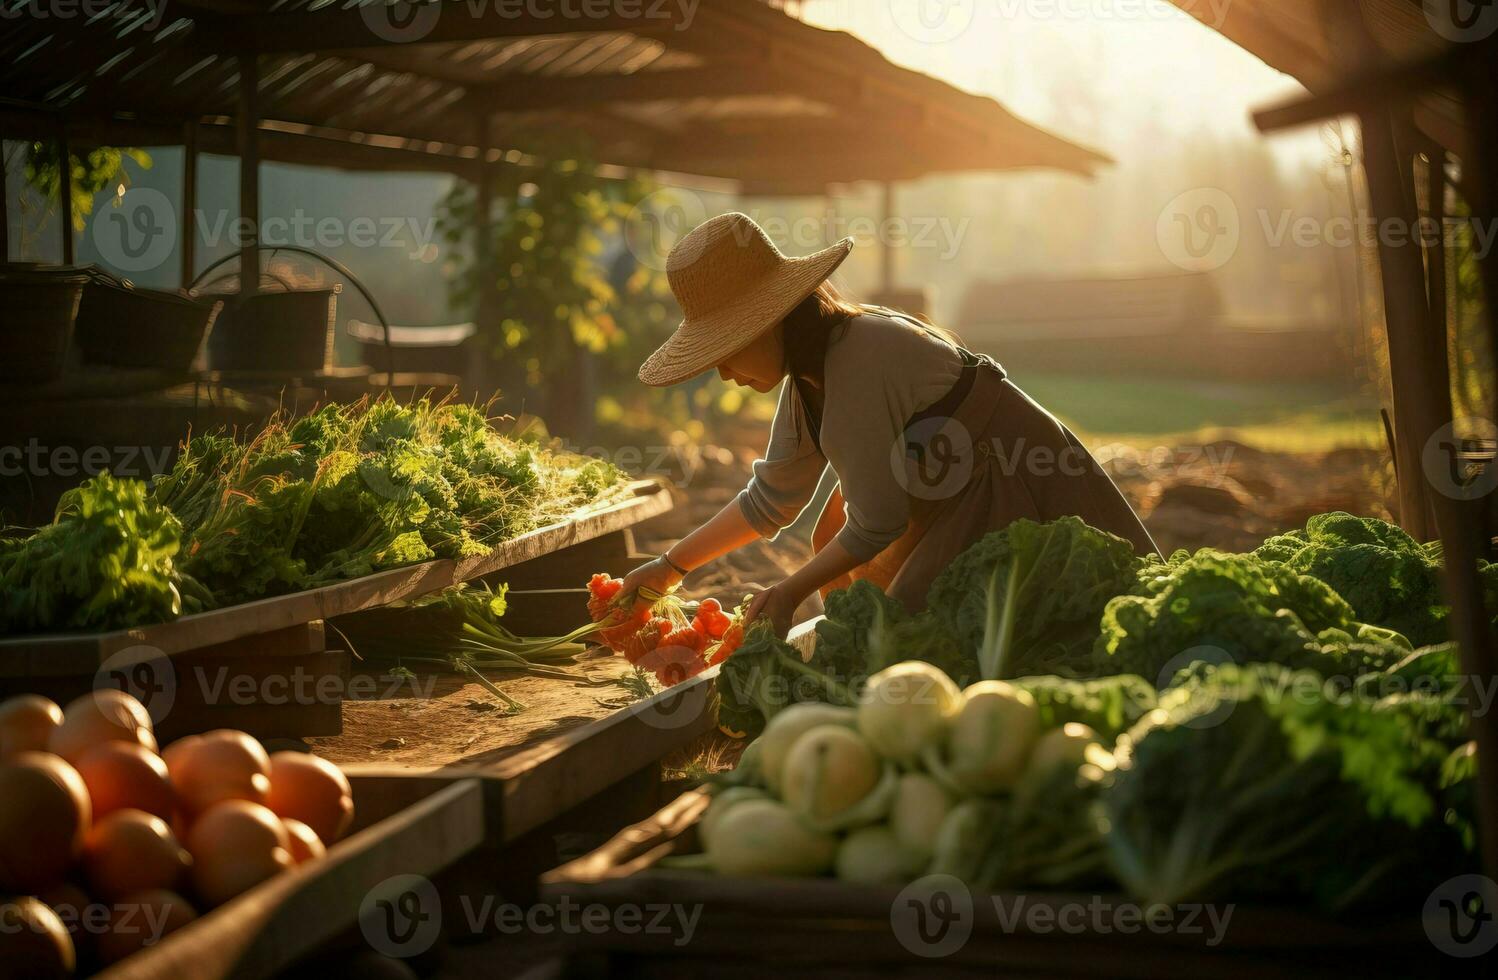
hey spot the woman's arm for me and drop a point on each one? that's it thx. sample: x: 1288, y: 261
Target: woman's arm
x: 723, y: 532
x: 779, y: 602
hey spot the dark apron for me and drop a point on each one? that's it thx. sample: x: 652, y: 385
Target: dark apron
x: 983, y: 456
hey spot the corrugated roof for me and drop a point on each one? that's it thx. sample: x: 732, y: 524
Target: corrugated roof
x: 741, y: 91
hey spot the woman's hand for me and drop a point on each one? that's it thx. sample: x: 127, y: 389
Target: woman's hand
x: 656, y: 574
x: 777, y: 604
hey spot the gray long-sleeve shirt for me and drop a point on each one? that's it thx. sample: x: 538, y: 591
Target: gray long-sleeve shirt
x: 879, y: 371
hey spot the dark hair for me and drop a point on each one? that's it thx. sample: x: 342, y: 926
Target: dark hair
x: 814, y: 321
x: 809, y: 328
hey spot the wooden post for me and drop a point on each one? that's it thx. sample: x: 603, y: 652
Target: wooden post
x: 1470, y: 621
x: 886, y: 247
x: 483, y: 209
x: 189, y: 202
x: 65, y: 190
x: 249, y: 173
x: 1406, y: 317
x: 1423, y: 407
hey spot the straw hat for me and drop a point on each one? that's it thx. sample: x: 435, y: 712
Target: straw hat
x: 732, y: 284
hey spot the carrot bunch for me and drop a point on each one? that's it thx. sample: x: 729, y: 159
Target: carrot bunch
x: 661, y: 637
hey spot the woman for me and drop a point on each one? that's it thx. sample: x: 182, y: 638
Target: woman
x: 932, y: 446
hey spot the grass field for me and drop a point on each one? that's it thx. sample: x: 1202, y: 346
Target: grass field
x: 1283, y: 416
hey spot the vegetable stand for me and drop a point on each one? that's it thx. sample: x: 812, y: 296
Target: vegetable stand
x: 808, y: 927
x: 267, y: 929
x: 256, y: 638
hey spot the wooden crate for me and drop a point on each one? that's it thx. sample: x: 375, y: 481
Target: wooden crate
x: 266, y: 643
x: 285, y: 683
x: 816, y: 927
x: 269, y: 928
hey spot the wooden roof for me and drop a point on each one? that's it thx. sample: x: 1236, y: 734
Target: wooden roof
x: 736, y: 90
x: 1326, y: 42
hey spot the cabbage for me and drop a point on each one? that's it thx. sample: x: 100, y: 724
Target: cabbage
x: 905, y: 708
x: 919, y: 807
x: 764, y: 838
x: 872, y: 856
x: 988, y: 744
x: 789, y: 725
x: 828, y: 772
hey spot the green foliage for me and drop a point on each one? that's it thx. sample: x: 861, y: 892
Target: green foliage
x: 107, y: 560
x: 1046, y: 836
x: 553, y: 259
x: 1107, y: 705
x: 1387, y: 577
x: 462, y: 624
x: 765, y: 675
x: 349, y: 490
x: 103, y: 169
x: 864, y: 626
x: 1257, y: 783
x: 1238, y: 608
x: 1053, y: 579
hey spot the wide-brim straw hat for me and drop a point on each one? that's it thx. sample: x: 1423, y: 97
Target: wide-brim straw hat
x: 732, y: 284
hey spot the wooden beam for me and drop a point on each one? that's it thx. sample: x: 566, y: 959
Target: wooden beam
x: 1424, y: 411
x: 1469, y: 538
x: 249, y: 173
x: 483, y: 206
x: 336, y: 27
x: 532, y: 93
x: 189, y: 238
x: 1407, y: 320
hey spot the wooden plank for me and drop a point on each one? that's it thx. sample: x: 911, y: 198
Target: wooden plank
x: 572, y: 567
x: 805, y: 927
x: 77, y: 653
x: 270, y: 927
x: 333, y: 27
x: 529, y: 788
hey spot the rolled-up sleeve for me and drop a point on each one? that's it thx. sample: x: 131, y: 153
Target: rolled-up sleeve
x: 785, y: 480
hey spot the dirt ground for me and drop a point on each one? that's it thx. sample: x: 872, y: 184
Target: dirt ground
x: 1224, y: 495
